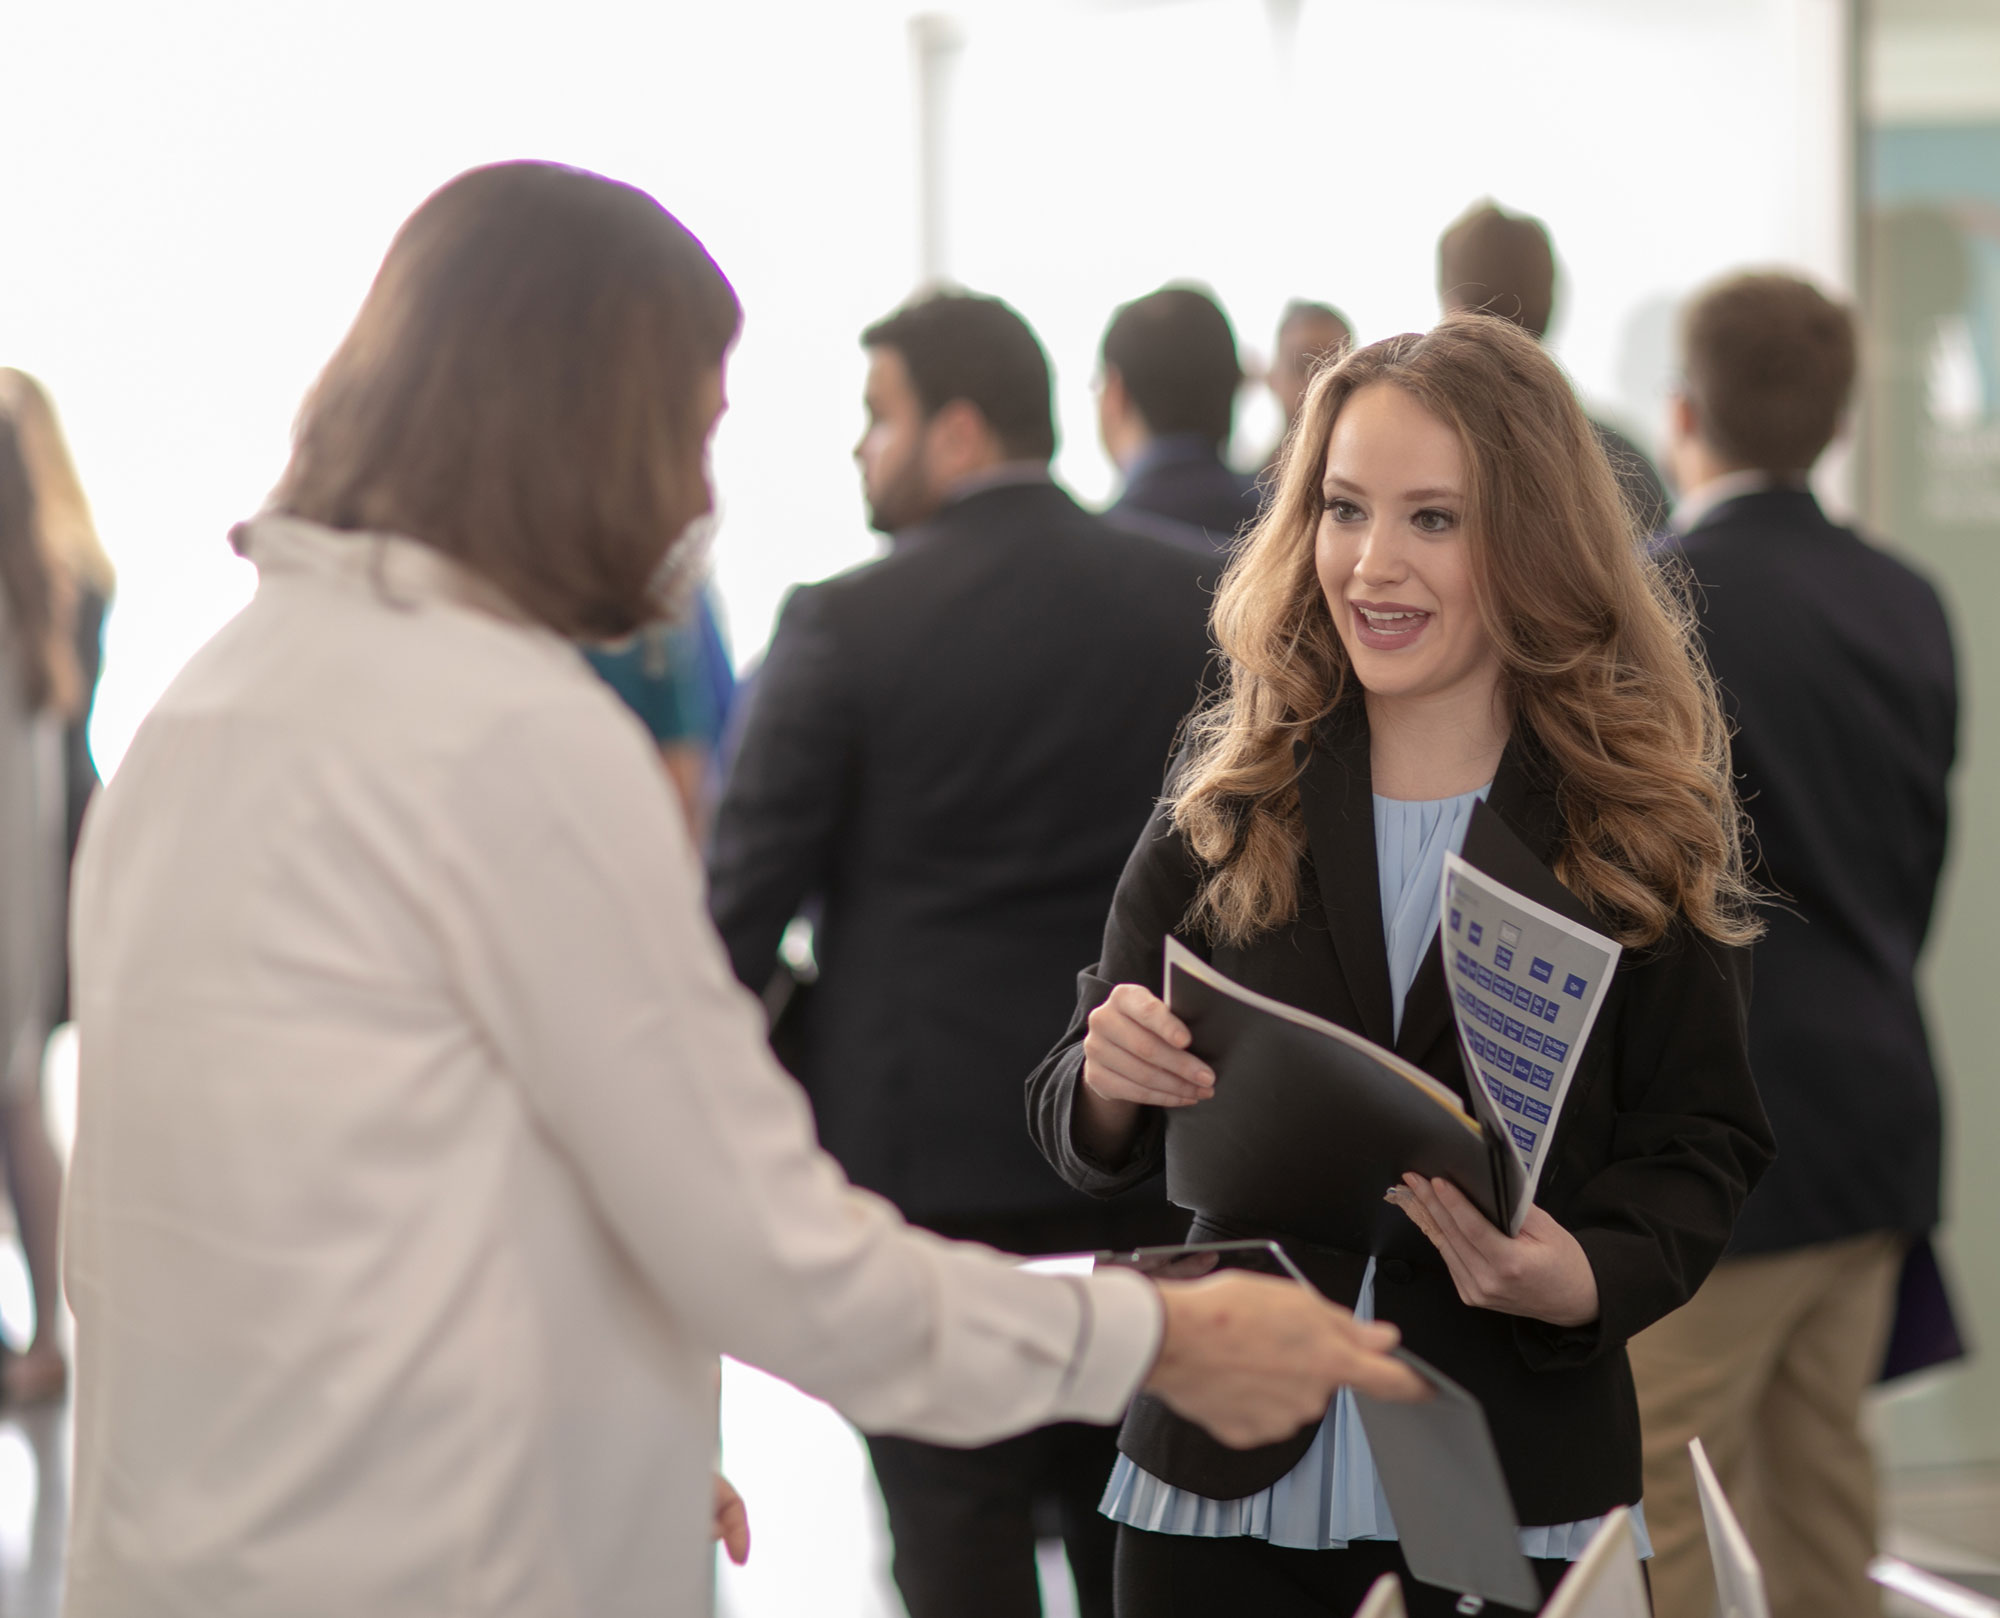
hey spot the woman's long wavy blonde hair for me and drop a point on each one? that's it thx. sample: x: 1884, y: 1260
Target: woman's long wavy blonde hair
x: 1596, y: 649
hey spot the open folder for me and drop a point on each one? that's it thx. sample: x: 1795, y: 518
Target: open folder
x: 1311, y: 1123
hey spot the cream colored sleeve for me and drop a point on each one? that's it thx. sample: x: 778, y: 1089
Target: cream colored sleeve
x: 573, y: 913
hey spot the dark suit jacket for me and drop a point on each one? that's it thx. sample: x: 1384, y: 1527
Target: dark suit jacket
x: 1660, y: 1139
x: 1180, y: 478
x: 953, y: 748
x: 1836, y: 668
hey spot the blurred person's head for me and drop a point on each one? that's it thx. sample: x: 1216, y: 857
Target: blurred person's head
x: 67, y: 527
x: 1500, y: 263
x: 1450, y: 483
x: 529, y: 388
x: 1767, y: 365
x: 1169, y: 368
x: 34, y: 627
x: 957, y: 385
x: 1308, y: 333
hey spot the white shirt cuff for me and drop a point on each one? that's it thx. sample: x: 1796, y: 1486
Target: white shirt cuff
x: 1118, y: 1340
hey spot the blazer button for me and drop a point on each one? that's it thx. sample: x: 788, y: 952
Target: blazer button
x: 1395, y: 1271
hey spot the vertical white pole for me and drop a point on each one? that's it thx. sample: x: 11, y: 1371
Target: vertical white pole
x: 935, y: 42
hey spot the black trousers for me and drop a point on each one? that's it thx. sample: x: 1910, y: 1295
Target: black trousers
x: 1179, y: 1576
x: 965, y: 1521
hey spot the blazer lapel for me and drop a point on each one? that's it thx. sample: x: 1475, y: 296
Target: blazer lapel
x: 1339, y: 811
x: 1524, y: 796
x: 1521, y: 799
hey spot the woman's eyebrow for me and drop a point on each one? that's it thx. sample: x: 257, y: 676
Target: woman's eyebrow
x: 1438, y: 492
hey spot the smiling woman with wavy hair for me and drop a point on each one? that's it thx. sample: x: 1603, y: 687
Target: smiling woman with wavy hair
x: 1444, y: 605
x: 1596, y: 650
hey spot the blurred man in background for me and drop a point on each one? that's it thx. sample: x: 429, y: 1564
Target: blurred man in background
x: 1166, y: 405
x: 1308, y: 333
x: 952, y: 750
x: 1836, y: 668
x: 1502, y: 263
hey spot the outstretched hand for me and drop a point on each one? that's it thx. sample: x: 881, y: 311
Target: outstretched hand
x: 1542, y: 1274
x: 1254, y: 1359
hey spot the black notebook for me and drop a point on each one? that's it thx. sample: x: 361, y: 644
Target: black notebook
x: 1310, y: 1122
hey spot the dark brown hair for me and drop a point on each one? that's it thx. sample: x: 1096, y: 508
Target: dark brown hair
x: 1176, y: 352
x: 1501, y: 263
x: 1769, y: 362
x: 1597, y: 655
x: 959, y: 345
x: 37, y: 594
x: 522, y: 391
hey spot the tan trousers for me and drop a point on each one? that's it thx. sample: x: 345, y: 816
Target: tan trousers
x: 1768, y: 1364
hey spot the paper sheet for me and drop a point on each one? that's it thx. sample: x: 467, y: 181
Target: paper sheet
x: 1526, y: 985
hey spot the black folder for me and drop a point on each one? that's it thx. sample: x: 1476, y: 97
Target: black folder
x: 1310, y: 1123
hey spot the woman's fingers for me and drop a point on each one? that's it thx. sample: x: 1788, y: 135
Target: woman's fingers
x: 1150, y: 1011
x: 1111, y: 1070
x: 1468, y: 1271
x: 1542, y: 1273
x: 1471, y: 1226
x: 1138, y: 1022
x: 1133, y: 1051
x: 1254, y: 1359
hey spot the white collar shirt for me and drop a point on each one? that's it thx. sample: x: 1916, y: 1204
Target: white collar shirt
x: 1697, y: 503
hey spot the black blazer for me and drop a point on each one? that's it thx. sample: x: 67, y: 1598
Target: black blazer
x: 952, y: 749
x: 1660, y: 1139
x: 1835, y: 663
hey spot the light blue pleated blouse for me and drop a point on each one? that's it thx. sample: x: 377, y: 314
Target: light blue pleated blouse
x: 1334, y: 1494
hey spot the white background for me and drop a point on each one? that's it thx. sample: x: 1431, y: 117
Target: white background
x: 197, y: 195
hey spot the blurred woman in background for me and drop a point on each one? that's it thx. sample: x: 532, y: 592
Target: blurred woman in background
x: 40, y: 691
x: 69, y: 536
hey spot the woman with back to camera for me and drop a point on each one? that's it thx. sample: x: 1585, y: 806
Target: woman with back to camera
x: 84, y: 582
x: 1443, y: 603
x: 428, y: 1151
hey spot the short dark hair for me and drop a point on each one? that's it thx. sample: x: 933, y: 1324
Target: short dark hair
x: 1500, y: 263
x: 1769, y: 362
x: 959, y: 345
x: 522, y: 391
x: 1177, y: 357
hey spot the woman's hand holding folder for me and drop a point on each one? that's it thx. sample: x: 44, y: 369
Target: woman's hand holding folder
x: 1542, y: 1274
x: 1254, y: 1359
x: 1134, y: 1055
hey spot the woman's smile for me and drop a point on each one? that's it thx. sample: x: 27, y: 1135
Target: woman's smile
x: 1389, y: 626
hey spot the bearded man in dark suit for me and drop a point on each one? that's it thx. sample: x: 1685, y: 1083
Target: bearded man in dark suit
x: 947, y: 758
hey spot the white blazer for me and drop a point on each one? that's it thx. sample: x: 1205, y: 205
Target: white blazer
x: 428, y: 1153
